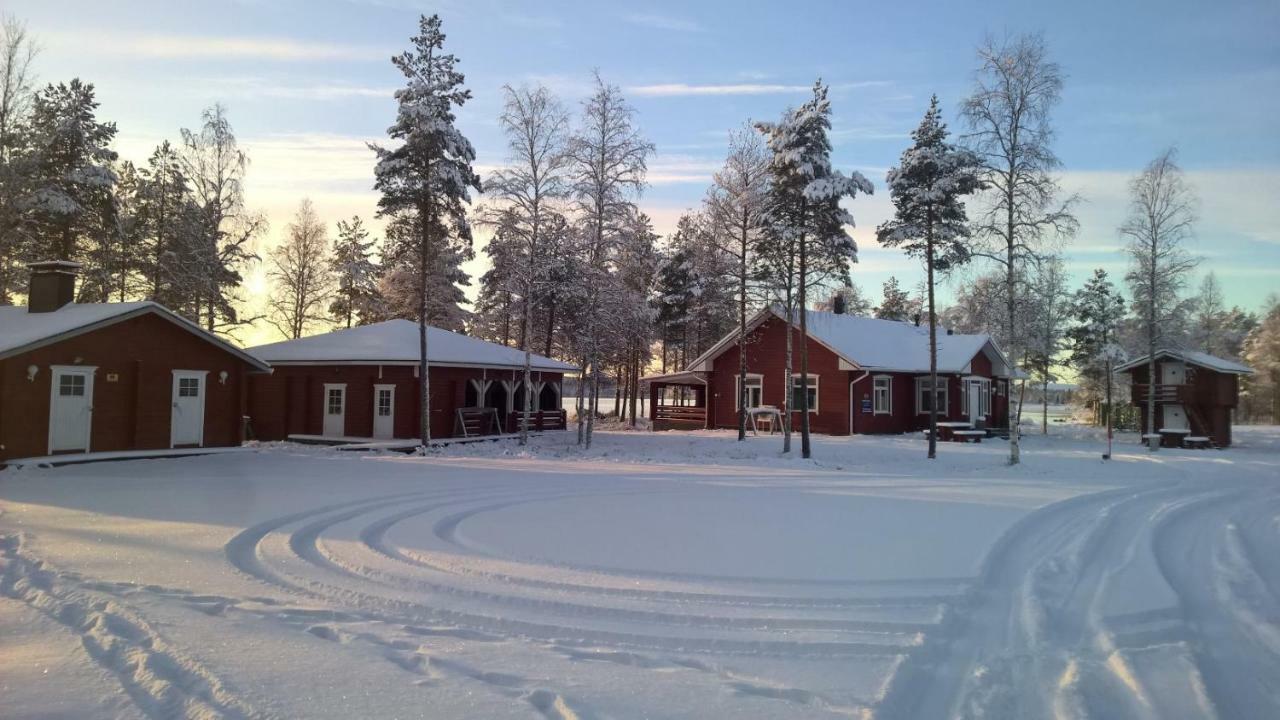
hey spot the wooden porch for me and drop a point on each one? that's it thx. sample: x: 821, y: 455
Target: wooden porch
x: 677, y: 401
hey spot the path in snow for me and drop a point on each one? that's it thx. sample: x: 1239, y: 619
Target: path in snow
x: 508, y: 584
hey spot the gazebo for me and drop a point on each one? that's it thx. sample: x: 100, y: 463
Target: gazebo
x: 677, y: 401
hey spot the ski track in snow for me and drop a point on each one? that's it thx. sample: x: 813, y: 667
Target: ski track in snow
x: 1034, y: 635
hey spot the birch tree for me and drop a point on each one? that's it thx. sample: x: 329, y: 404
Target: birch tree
x: 534, y: 181
x: 426, y: 179
x: 608, y: 158
x: 1161, y: 219
x: 1046, y: 333
x: 301, y: 279
x: 1008, y: 116
x: 736, y: 204
x: 17, y: 52
x: 929, y: 222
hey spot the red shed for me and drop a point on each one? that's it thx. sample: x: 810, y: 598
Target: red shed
x: 97, y: 377
x: 363, y: 383
x: 865, y: 376
x: 1195, y: 395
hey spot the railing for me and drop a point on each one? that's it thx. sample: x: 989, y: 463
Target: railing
x: 538, y: 420
x: 1163, y: 393
x: 679, y: 417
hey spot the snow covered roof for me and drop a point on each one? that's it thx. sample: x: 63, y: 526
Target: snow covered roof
x: 1194, y: 357
x: 21, y: 331
x: 396, y: 341
x: 874, y: 344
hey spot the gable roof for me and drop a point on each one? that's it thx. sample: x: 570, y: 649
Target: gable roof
x: 1194, y: 357
x: 396, y: 342
x: 874, y: 344
x: 22, y: 331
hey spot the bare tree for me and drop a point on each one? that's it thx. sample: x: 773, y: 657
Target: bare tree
x: 1008, y: 118
x: 1047, y: 334
x: 17, y: 52
x: 302, y: 282
x: 1161, y: 218
x: 608, y: 158
x: 537, y: 130
x: 736, y: 205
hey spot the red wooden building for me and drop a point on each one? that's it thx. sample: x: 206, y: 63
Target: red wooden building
x: 865, y: 376
x: 81, y: 377
x: 363, y: 382
x: 1195, y: 395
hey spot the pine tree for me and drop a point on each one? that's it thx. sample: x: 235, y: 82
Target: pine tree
x: 355, y: 297
x: 1262, y: 353
x: 929, y: 222
x: 426, y: 179
x: 70, y: 164
x: 805, y: 243
x: 1097, y: 310
x: 167, y: 220
x: 895, y: 303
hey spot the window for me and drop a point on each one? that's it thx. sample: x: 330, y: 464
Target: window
x: 71, y: 385
x: 333, y: 403
x: 811, y: 395
x: 985, y: 402
x: 188, y: 387
x: 384, y: 402
x: 755, y: 391
x: 882, y: 394
x: 923, y: 397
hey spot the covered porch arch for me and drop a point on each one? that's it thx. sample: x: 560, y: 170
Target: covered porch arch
x: 678, y: 401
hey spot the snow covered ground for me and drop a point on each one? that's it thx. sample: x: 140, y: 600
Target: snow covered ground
x: 658, y: 575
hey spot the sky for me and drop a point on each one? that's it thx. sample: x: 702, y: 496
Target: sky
x: 308, y: 83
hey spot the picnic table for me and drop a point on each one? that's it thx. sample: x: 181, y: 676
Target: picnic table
x: 768, y: 414
x: 1173, y: 437
x: 951, y: 429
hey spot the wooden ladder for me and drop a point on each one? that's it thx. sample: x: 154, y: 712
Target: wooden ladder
x: 1198, y: 424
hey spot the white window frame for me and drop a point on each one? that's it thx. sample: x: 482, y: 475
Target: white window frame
x: 328, y: 389
x: 943, y: 385
x: 888, y: 395
x: 816, y: 395
x: 737, y: 393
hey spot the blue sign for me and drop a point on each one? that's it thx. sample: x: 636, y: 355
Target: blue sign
x: 866, y: 405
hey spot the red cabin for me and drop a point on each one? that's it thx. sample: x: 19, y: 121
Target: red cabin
x: 363, y: 383
x: 865, y: 376
x: 111, y: 377
x: 1195, y: 396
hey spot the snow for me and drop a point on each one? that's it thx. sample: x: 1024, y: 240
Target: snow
x: 657, y: 575
x: 1194, y: 357
x: 396, y: 341
x: 876, y: 344
x: 19, y: 329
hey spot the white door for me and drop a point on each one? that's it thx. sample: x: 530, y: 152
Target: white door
x: 1172, y: 373
x: 70, y: 408
x: 975, y: 401
x: 335, y: 410
x: 186, y: 421
x: 1175, y: 418
x: 384, y: 411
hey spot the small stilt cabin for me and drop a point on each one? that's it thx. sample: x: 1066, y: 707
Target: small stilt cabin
x: 1195, y: 395
x: 363, y: 383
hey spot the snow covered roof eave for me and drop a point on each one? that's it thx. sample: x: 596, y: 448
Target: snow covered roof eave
x: 1204, y: 360
x: 560, y: 367
x: 132, y: 312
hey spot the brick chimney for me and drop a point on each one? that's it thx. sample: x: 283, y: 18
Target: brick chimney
x: 53, y: 284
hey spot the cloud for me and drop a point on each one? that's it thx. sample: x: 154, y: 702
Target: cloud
x: 746, y: 88
x: 256, y: 87
x: 662, y: 22
x: 675, y: 169
x: 208, y: 47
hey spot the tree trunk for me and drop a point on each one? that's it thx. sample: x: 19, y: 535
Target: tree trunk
x: 933, y: 354
x: 788, y: 383
x: 804, y: 341
x: 742, y: 330
x: 1153, y: 443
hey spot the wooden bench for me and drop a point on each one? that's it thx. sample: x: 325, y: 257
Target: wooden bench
x: 968, y: 435
x: 1196, y: 442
